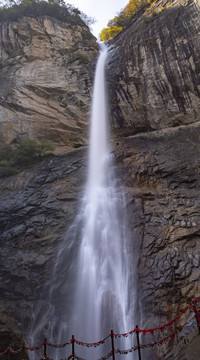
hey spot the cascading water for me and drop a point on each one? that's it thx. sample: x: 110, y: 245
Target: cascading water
x: 104, y: 284
x: 103, y: 298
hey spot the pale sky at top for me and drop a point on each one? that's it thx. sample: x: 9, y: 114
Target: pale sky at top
x: 101, y: 10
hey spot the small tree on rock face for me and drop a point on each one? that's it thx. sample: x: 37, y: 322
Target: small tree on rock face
x: 120, y: 21
x: 87, y: 19
x: 28, y: 152
x: 109, y: 33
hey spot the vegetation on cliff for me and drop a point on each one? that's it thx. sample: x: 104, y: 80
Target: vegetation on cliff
x: 14, y: 9
x: 28, y: 152
x: 123, y: 19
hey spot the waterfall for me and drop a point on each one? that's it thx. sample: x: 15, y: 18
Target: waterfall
x: 103, y: 300
x: 94, y: 273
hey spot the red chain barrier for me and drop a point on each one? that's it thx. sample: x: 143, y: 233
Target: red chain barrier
x: 193, y: 305
x: 136, y: 347
x: 57, y: 346
x: 92, y: 344
x: 107, y: 356
x: 15, y: 351
x: 197, y: 316
x: 5, y: 351
x: 126, y: 334
x: 32, y: 348
x: 171, y: 336
x: 169, y: 324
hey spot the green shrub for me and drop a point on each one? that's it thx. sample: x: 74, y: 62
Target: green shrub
x: 82, y: 59
x: 54, y: 8
x: 28, y: 152
x: 6, y: 153
x: 7, y: 170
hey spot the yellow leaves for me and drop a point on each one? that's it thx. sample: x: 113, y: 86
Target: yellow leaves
x: 122, y: 20
x: 109, y: 33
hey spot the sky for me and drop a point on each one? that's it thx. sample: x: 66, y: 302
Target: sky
x: 101, y: 10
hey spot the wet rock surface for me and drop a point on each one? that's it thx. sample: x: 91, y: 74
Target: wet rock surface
x: 10, y: 336
x: 161, y: 171
x: 37, y: 208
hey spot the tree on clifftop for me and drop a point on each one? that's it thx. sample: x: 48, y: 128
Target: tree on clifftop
x: 120, y: 21
x: 14, y: 9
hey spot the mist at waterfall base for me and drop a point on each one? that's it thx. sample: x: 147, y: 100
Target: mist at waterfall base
x: 93, y: 287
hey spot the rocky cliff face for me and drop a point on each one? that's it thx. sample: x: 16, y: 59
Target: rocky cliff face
x: 37, y: 208
x: 161, y: 172
x: 153, y: 68
x: 45, y: 81
x: 153, y: 83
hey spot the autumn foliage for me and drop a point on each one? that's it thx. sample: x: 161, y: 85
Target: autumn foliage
x: 120, y: 21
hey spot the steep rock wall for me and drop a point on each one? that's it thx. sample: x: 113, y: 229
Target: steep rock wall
x: 45, y: 81
x: 161, y: 172
x: 153, y: 84
x: 38, y: 206
x: 46, y: 72
x: 154, y: 69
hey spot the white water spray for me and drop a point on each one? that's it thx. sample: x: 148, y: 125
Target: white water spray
x: 103, y: 298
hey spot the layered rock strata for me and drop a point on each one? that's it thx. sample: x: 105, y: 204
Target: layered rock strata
x: 45, y: 76
x: 154, y: 69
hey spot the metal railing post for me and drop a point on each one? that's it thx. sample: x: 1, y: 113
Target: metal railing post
x: 23, y: 351
x: 9, y: 353
x: 138, y: 343
x: 72, y: 341
x: 112, y: 343
x: 45, y: 349
x: 197, y: 316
